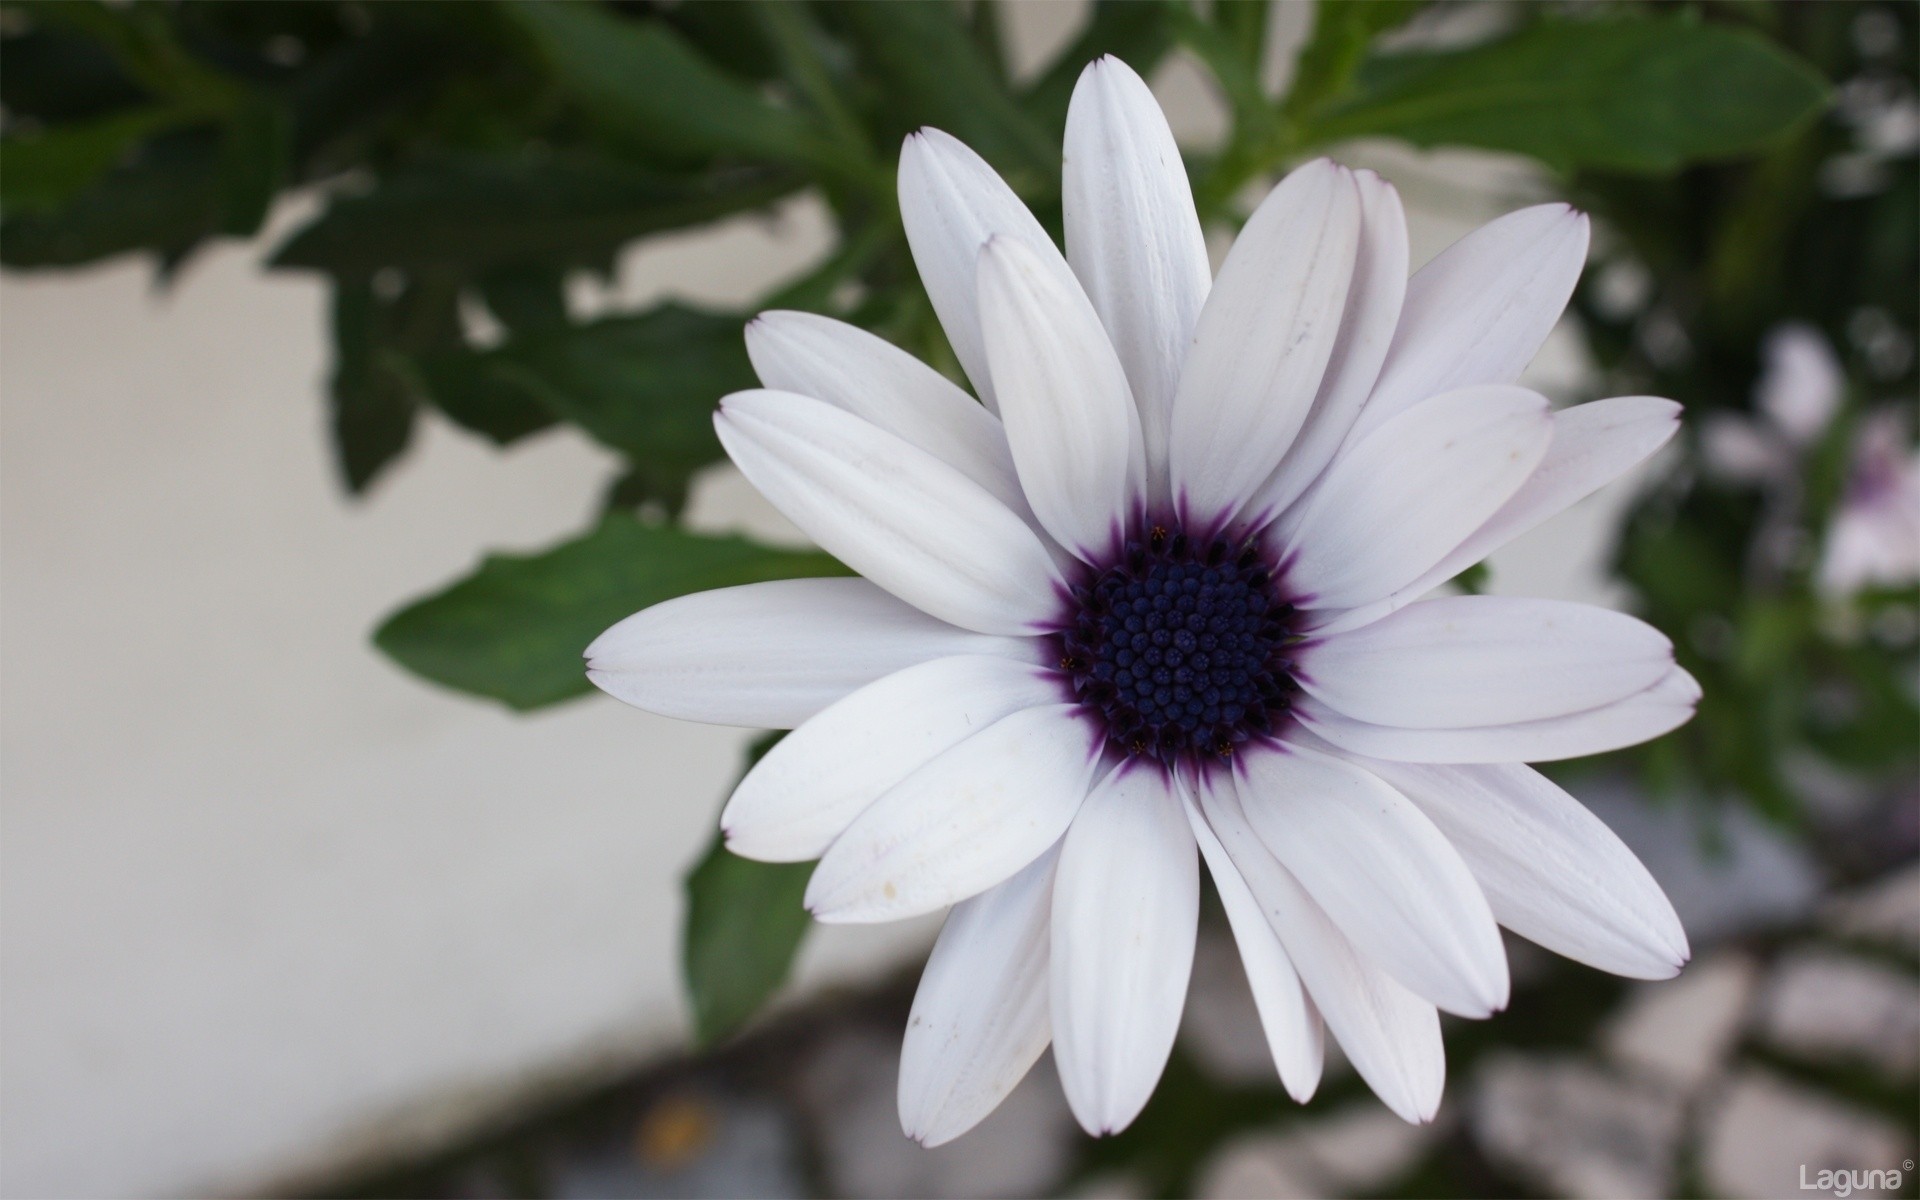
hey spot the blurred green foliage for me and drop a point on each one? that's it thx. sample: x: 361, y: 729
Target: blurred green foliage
x: 1824, y: 228
x: 469, y: 158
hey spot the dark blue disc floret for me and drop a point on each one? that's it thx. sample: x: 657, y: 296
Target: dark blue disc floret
x: 1180, y: 647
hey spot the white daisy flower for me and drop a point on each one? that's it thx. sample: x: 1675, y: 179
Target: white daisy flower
x: 1156, y: 598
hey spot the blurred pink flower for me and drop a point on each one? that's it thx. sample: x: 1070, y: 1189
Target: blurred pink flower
x: 1874, y: 538
x: 1800, y: 389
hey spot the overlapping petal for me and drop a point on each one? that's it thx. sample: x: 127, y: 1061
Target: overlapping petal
x: 1593, y: 445
x: 1262, y: 341
x: 1126, y: 905
x: 890, y: 389
x: 1134, y: 238
x: 951, y: 202
x: 1296, y: 1035
x: 1480, y: 311
x: 1380, y: 870
x: 806, y: 790
x: 1641, y: 717
x: 891, y: 511
x: 1069, y: 415
x: 1391, y: 1036
x: 770, y: 655
x: 1552, y: 871
x: 1366, y: 330
x: 965, y: 821
x: 980, y: 1017
x: 1483, y: 660
x: 1395, y: 502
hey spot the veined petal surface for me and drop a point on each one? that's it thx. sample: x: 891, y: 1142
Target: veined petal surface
x: 1069, y: 415
x: 980, y: 1016
x: 967, y: 820
x: 1395, y: 502
x: 1366, y: 330
x: 1134, y: 239
x: 1126, y: 907
x: 1380, y: 870
x: 1480, y: 311
x: 1262, y: 341
x: 770, y: 655
x: 891, y: 511
x: 951, y: 202
x: 1483, y: 660
x: 807, y: 789
x: 1552, y: 871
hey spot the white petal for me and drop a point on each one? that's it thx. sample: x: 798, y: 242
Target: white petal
x: 1552, y: 871
x: 1296, y: 1036
x: 1261, y: 344
x: 951, y: 202
x: 1665, y: 706
x: 1480, y: 310
x: 1593, y: 445
x: 979, y: 1018
x: 1395, y: 502
x: 770, y: 655
x: 894, y: 513
x: 1134, y: 238
x: 1069, y: 417
x: 1126, y: 906
x: 962, y: 823
x: 1380, y: 869
x: 1483, y: 660
x: 1366, y: 330
x: 814, y: 782
x: 1391, y: 1036
x: 882, y: 384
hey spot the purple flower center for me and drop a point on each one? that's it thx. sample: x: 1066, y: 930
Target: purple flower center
x: 1179, y: 646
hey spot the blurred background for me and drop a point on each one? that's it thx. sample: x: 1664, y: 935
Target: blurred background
x: 355, y: 367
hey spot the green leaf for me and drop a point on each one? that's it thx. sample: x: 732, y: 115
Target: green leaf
x: 930, y: 66
x: 526, y: 298
x: 46, y: 169
x: 372, y: 414
x: 515, y: 628
x: 56, y: 75
x: 645, y: 385
x: 645, y: 85
x: 1629, y: 94
x: 470, y: 392
x: 165, y: 200
x: 473, y: 212
x: 1223, y: 44
x: 744, y: 926
x: 1134, y: 31
x: 253, y: 163
x: 142, y: 42
x: 1342, y: 30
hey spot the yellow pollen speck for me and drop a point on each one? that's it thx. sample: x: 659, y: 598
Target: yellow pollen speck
x: 890, y: 890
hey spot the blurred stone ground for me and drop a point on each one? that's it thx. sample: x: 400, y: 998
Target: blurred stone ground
x: 1791, y: 1041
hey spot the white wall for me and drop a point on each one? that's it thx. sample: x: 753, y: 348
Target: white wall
x: 260, y: 891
